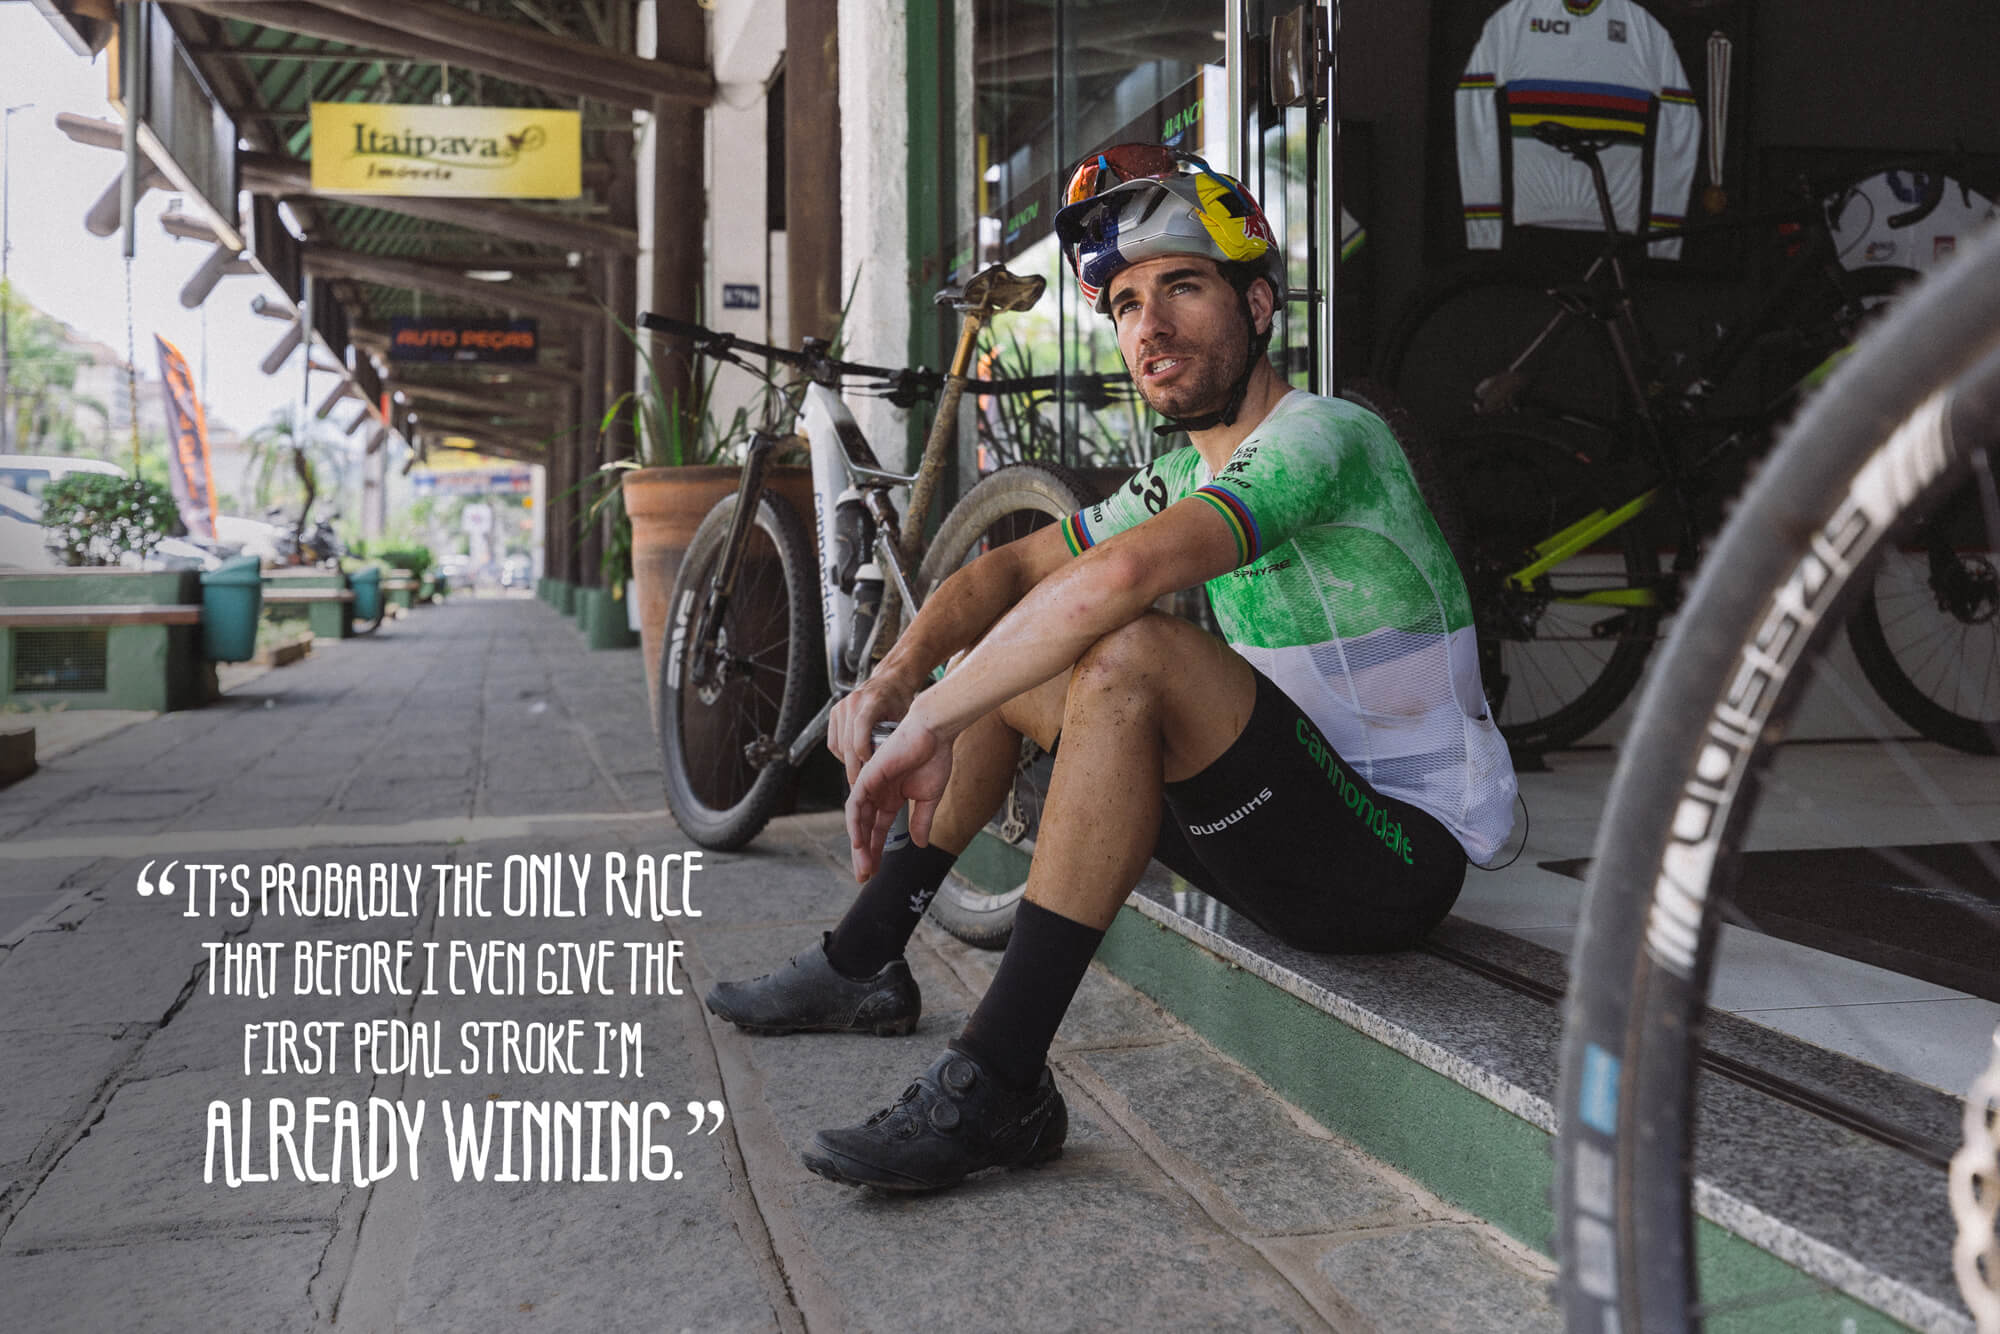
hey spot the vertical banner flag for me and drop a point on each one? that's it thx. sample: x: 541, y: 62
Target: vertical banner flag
x: 187, y: 444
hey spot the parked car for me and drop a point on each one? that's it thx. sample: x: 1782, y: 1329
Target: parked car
x: 24, y: 544
x: 177, y: 553
x: 32, y: 472
x: 21, y: 544
x: 252, y: 537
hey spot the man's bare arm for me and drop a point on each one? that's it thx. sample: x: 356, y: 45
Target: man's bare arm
x: 1077, y: 604
x: 964, y: 607
x: 1047, y: 631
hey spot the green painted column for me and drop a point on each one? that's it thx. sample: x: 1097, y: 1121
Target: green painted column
x: 931, y: 84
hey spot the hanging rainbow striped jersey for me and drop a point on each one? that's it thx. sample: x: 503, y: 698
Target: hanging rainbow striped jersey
x: 1605, y: 66
x: 1347, y: 597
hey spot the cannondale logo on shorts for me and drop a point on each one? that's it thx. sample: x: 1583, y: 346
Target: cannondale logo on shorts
x: 1231, y: 818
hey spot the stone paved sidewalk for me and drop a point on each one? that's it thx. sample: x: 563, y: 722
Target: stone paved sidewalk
x: 1189, y: 1197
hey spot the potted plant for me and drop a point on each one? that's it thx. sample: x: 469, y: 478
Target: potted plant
x: 602, y: 613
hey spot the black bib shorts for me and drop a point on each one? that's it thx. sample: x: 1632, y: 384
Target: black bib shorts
x: 1280, y: 829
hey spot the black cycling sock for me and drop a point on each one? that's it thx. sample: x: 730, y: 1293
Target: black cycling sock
x: 879, y: 923
x: 1010, y: 1031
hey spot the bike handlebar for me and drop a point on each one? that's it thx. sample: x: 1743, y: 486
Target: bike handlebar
x: 1585, y: 147
x: 906, y: 384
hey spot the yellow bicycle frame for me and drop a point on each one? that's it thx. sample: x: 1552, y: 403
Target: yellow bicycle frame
x: 1554, y: 550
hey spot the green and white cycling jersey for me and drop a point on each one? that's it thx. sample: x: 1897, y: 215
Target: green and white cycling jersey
x: 1346, y: 596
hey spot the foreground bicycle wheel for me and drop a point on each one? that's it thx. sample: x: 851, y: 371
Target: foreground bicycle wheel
x: 1010, y: 504
x: 1907, y: 422
x: 717, y: 735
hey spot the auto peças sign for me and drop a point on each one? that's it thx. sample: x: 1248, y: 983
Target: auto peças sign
x: 438, y: 338
x: 476, y: 152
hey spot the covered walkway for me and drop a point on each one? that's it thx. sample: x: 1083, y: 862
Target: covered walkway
x: 1190, y: 1197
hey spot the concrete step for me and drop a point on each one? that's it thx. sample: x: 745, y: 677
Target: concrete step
x: 1190, y: 1195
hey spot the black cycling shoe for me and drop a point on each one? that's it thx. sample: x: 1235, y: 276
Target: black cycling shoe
x: 954, y: 1121
x: 807, y: 995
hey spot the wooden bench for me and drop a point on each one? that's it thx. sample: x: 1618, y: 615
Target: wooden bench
x: 149, y: 657
x: 83, y: 617
x: 400, y: 588
x: 272, y: 594
x: 328, y: 602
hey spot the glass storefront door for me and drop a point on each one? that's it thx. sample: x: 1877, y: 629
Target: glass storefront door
x: 1293, y: 164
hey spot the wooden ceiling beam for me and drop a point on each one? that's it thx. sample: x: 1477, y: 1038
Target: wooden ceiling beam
x: 312, y: 21
x: 492, y: 446
x: 269, y: 174
x: 327, y: 262
x: 451, y: 398
x: 490, y: 438
x: 529, y: 431
x: 435, y: 20
x: 433, y: 31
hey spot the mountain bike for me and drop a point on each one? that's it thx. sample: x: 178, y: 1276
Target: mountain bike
x: 740, y: 673
x: 1898, y: 447
x: 747, y: 685
x: 1590, y: 450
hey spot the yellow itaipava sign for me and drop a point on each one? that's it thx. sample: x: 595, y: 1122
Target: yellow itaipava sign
x: 484, y: 152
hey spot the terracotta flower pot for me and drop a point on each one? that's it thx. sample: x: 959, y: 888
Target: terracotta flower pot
x: 666, y: 505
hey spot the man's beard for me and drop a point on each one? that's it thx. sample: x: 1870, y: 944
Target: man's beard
x: 1203, y: 392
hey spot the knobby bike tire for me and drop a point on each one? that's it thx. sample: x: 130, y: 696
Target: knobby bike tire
x: 720, y: 799
x: 1551, y: 670
x: 1007, y: 505
x: 1931, y: 646
x: 1880, y: 444
x: 1471, y: 323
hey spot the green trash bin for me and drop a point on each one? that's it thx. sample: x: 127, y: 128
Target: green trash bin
x: 367, y: 586
x: 232, y: 596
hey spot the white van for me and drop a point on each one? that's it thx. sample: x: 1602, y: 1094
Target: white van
x: 21, y: 542
x: 32, y: 472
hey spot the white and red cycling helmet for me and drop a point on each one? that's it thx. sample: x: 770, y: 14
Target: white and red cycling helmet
x: 1135, y: 202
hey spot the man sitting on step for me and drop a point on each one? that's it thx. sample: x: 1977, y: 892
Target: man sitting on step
x: 1326, y: 770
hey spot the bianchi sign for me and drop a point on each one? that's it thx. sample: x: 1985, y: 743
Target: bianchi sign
x: 477, y: 152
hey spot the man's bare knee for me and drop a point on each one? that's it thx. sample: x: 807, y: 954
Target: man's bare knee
x: 1199, y: 690
x: 1136, y: 651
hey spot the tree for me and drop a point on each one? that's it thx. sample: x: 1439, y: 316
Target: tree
x: 295, y: 459
x: 42, y: 403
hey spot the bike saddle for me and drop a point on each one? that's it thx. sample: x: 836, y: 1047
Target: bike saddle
x: 1567, y: 139
x: 994, y: 289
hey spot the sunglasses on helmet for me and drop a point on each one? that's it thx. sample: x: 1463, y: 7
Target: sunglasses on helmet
x: 1114, y: 166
